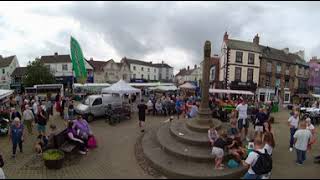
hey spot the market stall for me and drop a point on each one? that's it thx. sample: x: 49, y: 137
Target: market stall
x: 121, y: 88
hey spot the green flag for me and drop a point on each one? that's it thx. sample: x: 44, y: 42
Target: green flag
x: 78, y: 61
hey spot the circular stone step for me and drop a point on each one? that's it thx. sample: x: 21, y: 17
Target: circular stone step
x: 194, y: 126
x: 179, y: 149
x: 174, y: 167
x: 179, y: 130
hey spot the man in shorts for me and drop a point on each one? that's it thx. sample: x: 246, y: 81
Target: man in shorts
x: 243, y: 123
x: 142, y: 114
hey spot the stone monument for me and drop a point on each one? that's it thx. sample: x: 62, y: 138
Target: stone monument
x: 180, y: 149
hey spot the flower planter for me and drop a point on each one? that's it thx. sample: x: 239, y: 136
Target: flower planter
x: 53, y: 158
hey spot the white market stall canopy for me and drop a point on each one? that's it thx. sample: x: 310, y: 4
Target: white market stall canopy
x: 5, y: 93
x: 164, y: 88
x: 316, y: 95
x: 229, y: 91
x: 120, y: 87
x: 187, y: 86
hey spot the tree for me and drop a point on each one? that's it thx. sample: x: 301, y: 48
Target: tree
x: 37, y: 73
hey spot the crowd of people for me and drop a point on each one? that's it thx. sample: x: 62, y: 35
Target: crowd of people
x: 30, y: 112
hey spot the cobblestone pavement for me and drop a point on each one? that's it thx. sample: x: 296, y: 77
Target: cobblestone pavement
x: 115, y: 156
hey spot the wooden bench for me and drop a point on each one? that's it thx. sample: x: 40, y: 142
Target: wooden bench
x: 61, y: 142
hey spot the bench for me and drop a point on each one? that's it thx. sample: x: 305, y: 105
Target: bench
x: 61, y: 142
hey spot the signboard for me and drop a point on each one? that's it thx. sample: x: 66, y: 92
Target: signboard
x: 78, y: 60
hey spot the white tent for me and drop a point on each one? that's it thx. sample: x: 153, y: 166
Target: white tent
x: 121, y: 88
x: 316, y: 95
x: 229, y: 91
x: 187, y: 86
x: 5, y: 93
x: 164, y: 88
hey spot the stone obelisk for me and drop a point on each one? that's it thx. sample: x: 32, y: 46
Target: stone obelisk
x: 204, y: 114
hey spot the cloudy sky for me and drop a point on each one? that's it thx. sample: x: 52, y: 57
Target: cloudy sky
x: 153, y: 31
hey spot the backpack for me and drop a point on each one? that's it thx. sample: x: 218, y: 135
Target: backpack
x: 263, y: 164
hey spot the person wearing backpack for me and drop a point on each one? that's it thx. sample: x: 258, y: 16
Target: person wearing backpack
x: 258, y: 162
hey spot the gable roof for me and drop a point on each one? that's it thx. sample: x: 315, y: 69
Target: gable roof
x: 243, y: 45
x: 5, y: 62
x: 185, y: 72
x: 266, y: 52
x: 144, y: 63
x: 19, y: 72
x: 56, y: 59
x: 97, y: 65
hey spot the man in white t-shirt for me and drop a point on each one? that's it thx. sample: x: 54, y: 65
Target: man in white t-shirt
x: 252, y: 159
x: 293, y: 124
x: 302, y: 138
x: 243, y: 123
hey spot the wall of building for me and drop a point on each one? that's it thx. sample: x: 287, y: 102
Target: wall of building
x: 166, y: 74
x: 139, y: 74
x: 113, y: 72
x: 5, y: 78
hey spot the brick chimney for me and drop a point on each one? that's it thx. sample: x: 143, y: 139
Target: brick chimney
x: 91, y: 59
x: 225, y: 37
x: 162, y: 62
x: 188, y: 68
x: 195, y: 66
x: 256, y: 40
x: 56, y: 54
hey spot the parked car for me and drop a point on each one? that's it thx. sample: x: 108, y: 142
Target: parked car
x: 96, y: 105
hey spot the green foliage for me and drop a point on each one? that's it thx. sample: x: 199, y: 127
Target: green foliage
x: 52, y: 154
x: 37, y: 73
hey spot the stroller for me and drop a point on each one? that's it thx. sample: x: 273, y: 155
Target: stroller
x: 4, y: 126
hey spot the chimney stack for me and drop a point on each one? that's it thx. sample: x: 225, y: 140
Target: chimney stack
x: 56, y: 54
x: 300, y: 53
x: 225, y: 37
x: 195, y: 66
x: 188, y: 68
x: 256, y: 40
x: 91, y: 59
x: 162, y: 62
x: 286, y: 50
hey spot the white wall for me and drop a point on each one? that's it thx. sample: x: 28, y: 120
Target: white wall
x: 56, y: 68
x: 5, y: 78
x: 154, y: 72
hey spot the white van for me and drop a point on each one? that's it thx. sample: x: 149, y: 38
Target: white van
x: 96, y: 105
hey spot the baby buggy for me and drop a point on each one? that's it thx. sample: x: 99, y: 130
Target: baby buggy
x: 4, y: 126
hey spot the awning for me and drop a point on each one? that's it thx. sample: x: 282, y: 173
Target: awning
x: 229, y: 91
x: 164, y: 88
x: 187, y: 86
x: 5, y: 93
x: 303, y: 95
x: 316, y: 95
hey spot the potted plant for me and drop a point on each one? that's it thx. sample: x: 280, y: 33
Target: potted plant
x: 53, y: 158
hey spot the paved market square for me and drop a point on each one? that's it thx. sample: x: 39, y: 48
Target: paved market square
x: 115, y: 155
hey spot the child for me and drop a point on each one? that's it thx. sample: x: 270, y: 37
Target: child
x: 212, y: 135
x: 218, y: 150
x: 235, y: 148
x: 41, y: 144
x: 301, y: 140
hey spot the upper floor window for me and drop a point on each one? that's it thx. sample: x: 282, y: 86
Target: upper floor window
x: 64, y: 67
x: 268, y: 80
x: 278, y: 68
x: 237, y: 73
x: 269, y: 67
x: 250, y: 58
x: 250, y: 74
x: 239, y: 56
x: 286, y: 83
x: 148, y: 69
x: 154, y: 77
x: 134, y: 76
x: 134, y: 67
x: 278, y: 82
x: 155, y: 70
x: 141, y: 68
x: 287, y: 69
